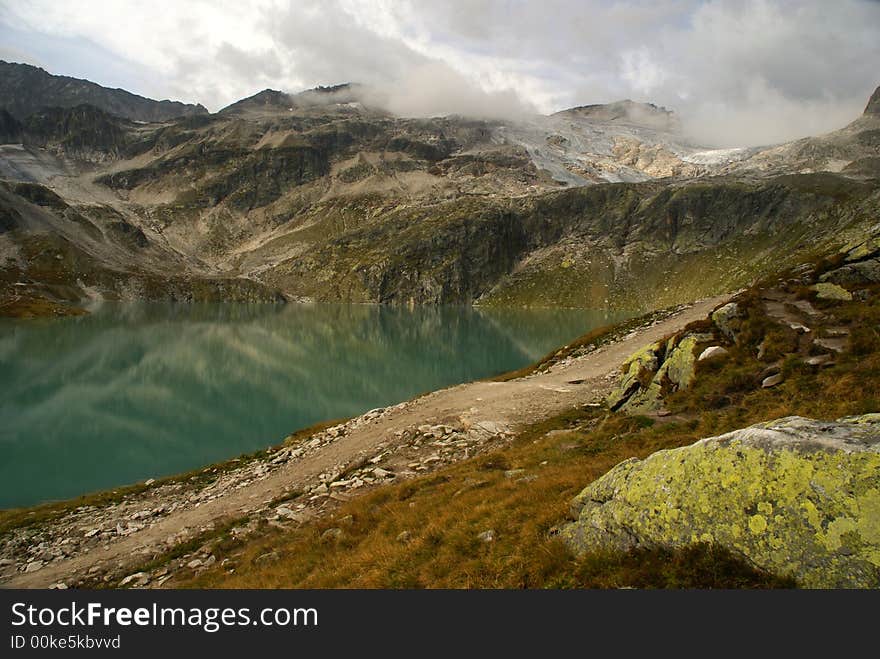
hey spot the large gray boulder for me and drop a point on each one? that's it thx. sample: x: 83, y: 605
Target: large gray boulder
x: 794, y: 496
x: 854, y: 274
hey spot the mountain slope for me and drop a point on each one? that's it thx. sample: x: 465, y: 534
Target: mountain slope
x: 25, y: 89
x: 321, y: 195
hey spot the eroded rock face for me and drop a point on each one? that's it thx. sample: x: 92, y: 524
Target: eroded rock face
x: 795, y: 496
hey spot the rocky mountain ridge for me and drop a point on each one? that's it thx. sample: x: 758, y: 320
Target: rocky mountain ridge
x: 25, y: 89
x: 320, y: 195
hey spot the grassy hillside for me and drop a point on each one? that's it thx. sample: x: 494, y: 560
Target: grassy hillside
x: 434, y: 531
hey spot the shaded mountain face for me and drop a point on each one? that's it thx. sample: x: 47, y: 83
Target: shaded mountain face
x: 25, y: 89
x: 873, y: 106
x: 320, y: 195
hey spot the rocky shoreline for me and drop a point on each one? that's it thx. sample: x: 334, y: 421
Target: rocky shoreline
x: 409, y: 453
x: 145, y: 535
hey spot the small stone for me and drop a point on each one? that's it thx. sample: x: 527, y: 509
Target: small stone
x: 142, y: 578
x: 404, y: 537
x: 149, y: 481
x: 487, y: 536
x: 513, y: 473
x: 268, y: 557
x: 837, y: 344
x: 209, y: 561
x: 819, y: 360
x: 712, y: 351
x: 33, y: 566
x: 772, y: 381
x: 58, y: 585
x: 378, y: 472
x: 331, y: 534
x: 828, y: 291
x: 284, y: 511
x: 91, y: 532
x: 193, y: 564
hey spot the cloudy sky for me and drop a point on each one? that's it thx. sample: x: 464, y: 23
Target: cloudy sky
x: 737, y: 71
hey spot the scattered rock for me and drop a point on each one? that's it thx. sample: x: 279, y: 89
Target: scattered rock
x: 513, y: 473
x: 195, y: 563
x: 726, y: 319
x: 33, y: 566
x: 827, y: 291
x: 772, y: 381
x: 404, y: 537
x: 837, y: 344
x: 136, y: 579
x: 712, y: 351
x: 796, y: 497
x: 58, y: 585
x: 331, y: 535
x: 854, y: 274
x: 819, y: 360
x: 487, y: 536
x: 268, y: 557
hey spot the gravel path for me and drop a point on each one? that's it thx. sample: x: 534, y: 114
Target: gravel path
x: 397, y: 442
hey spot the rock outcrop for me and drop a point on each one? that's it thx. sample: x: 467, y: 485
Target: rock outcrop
x: 796, y: 497
x: 873, y: 106
x: 656, y: 369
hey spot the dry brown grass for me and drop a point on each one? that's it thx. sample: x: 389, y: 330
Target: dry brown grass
x: 444, y: 513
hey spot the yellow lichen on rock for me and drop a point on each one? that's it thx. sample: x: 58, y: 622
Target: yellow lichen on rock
x: 796, y: 497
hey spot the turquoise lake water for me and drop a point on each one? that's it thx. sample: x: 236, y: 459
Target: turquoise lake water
x: 136, y: 391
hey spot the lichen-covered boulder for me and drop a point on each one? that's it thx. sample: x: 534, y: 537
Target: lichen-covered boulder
x: 854, y: 274
x: 829, y: 291
x: 863, y: 250
x: 638, y: 372
x: 726, y: 319
x: 656, y: 369
x: 795, y: 496
x: 677, y: 370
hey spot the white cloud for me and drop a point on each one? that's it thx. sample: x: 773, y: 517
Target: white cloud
x: 738, y: 71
